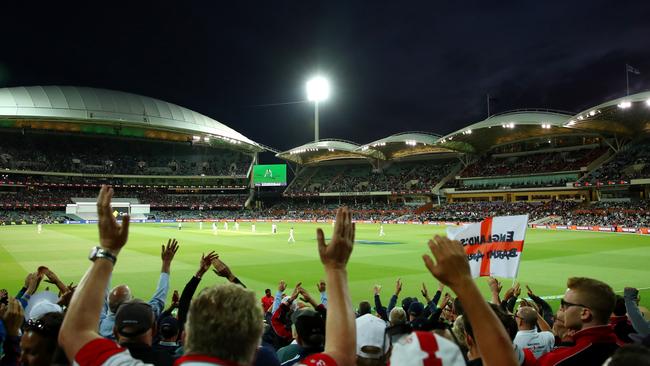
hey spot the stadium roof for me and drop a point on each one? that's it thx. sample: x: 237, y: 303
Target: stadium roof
x: 100, y: 106
x: 323, y: 150
x: 628, y: 116
x: 403, y: 145
x: 507, y: 128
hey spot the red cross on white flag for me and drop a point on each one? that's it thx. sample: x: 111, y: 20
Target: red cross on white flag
x: 494, y: 245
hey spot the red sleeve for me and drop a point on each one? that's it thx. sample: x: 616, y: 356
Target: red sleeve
x: 277, y: 324
x: 97, y: 351
x: 318, y: 359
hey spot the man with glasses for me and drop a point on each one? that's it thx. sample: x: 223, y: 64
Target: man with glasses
x: 586, y: 306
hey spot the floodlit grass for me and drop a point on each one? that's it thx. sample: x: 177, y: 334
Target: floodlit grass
x: 261, y: 259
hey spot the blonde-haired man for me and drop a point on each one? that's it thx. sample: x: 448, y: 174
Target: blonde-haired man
x: 224, y: 325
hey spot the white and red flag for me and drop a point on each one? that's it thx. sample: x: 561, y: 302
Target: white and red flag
x: 494, y: 245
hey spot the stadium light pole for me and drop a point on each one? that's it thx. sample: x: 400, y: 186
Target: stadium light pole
x: 318, y: 90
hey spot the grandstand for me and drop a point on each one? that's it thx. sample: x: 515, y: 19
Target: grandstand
x: 60, y: 143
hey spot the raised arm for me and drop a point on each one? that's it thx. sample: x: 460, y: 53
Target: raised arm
x: 452, y: 269
x: 80, y: 324
x: 190, y: 287
x: 159, y: 297
x: 340, y: 333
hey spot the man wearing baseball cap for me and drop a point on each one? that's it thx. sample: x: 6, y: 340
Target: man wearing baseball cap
x: 308, y: 328
x: 135, y: 329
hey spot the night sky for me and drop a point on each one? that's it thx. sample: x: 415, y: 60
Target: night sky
x: 394, y: 66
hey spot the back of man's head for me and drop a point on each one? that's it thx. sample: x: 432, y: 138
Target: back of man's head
x: 397, y: 316
x: 364, y: 308
x: 118, y: 295
x: 225, y: 321
x: 528, y: 318
x: 596, y: 295
x: 133, y: 322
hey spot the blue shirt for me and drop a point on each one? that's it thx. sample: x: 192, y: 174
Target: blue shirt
x: 157, y: 302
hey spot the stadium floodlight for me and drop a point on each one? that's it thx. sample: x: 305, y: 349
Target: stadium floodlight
x: 318, y: 90
x: 647, y: 102
x: 624, y: 104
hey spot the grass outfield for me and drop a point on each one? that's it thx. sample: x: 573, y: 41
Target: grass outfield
x: 260, y: 259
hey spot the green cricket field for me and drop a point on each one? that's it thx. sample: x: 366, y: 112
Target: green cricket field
x: 261, y: 259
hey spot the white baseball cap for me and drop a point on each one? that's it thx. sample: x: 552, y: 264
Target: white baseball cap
x: 371, y: 332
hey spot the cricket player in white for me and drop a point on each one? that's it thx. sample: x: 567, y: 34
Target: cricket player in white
x: 200, y: 225
x: 381, y: 230
x: 225, y: 225
x: 180, y: 225
x: 291, y: 239
x: 236, y: 226
x: 274, y: 229
x: 253, y: 228
x: 39, y: 228
x: 214, y: 228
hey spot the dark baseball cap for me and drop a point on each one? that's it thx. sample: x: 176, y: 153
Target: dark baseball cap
x: 310, y: 326
x: 133, y: 318
x: 416, y: 308
x: 168, y: 327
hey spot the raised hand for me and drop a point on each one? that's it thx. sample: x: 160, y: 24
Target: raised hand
x: 425, y: 292
x: 282, y: 286
x: 66, y: 296
x: 398, y: 286
x: 112, y: 236
x: 34, y: 281
x: 495, y: 285
x: 167, y: 254
x: 336, y: 254
x: 517, y: 289
x: 222, y: 269
x: 377, y: 289
x: 321, y: 286
x: 13, y: 317
x: 451, y: 266
x: 296, y: 291
x: 530, y: 292
x: 175, y: 297
x: 206, y: 262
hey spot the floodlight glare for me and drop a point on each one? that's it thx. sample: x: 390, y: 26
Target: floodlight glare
x: 647, y: 102
x: 318, y: 89
x: 624, y: 104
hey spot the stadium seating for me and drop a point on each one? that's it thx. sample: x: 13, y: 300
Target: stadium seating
x: 76, y: 154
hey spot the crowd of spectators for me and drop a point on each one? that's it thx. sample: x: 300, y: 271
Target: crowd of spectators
x: 633, y: 214
x: 611, y: 214
x: 477, y: 211
x: 43, y: 217
x: 76, y: 154
x: 629, y: 163
x: 402, y: 176
x: 153, y: 197
x: 226, y: 324
x: 543, y: 162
